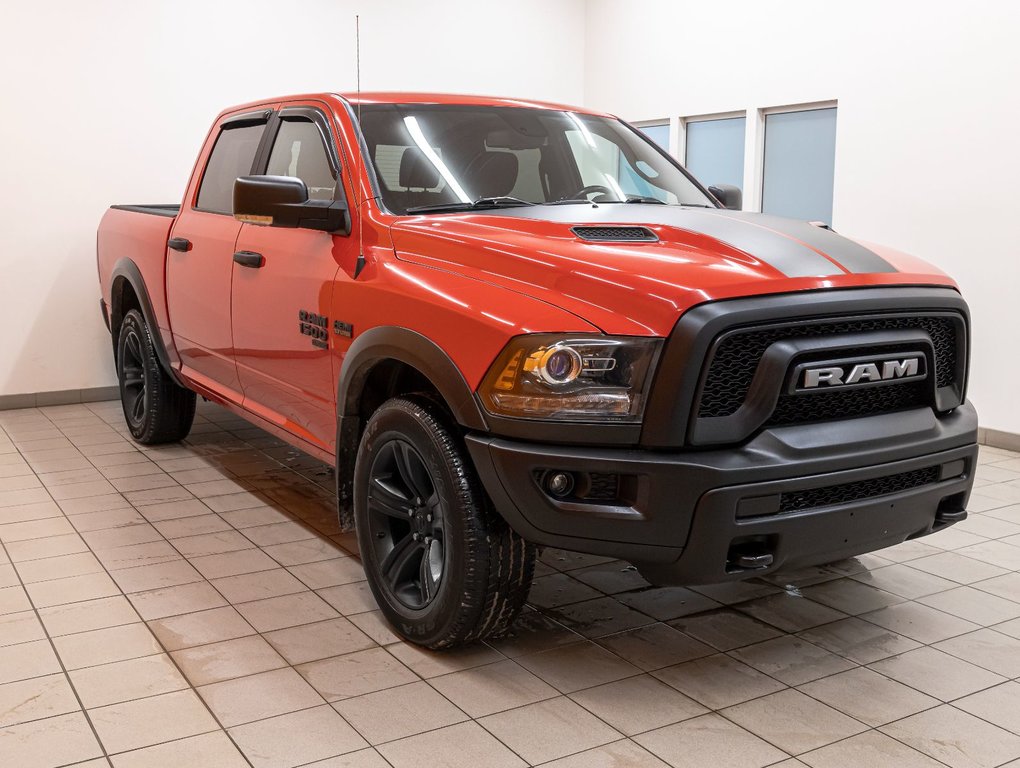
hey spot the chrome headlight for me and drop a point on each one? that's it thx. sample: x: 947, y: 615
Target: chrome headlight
x: 546, y: 376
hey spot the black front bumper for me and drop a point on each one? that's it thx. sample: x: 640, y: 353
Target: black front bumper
x: 715, y: 515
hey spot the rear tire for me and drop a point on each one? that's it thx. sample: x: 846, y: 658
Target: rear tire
x: 444, y: 567
x: 156, y: 408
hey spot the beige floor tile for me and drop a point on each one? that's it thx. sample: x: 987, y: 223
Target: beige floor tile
x: 1005, y: 585
x: 492, y: 688
x: 342, y: 677
x: 158, y: 496
x: 792, y: 660
x: 254, y: 516
x: 88, y: 615
x: 73, y: 589
x: 312, y: 642
x: 278, y: 533
x: 304, y: 551
x: 558, y: 589
x: 103, y: 646
x: 903, y: 580
x: 196, y: 525
x: 286, y: 611
x: 956, y: 738
x: 999, y: 705
x: 23, y: 627
x: 725, y: 629
x: 375, y: 626
x: 173, y: 510
x: 210, y: 750
x: 667, y: 603
x: 920, y: 622
x: 638, y: 704
x: 35, y: 699
x: 790, y: 612
x: 225, y: 660
x: 600, y: 617
x: 127, y: 535
x: 465, y: 745
x: 986, y: 648
x: 11, y: 533
x: 27, y: 660
x: 531, y: 633
x: 258, y: 586
x: 26, y: 512
x: 44, y: 743
x: 351, y: 598
x: 395, y: 713
x: 973, y: 605
x: 269, y: 743
x: 51, y: 546
x: 256, y: 697
x: 549, y: 729
x: 858, y: 640
x: 156, y: 576
x: 234, y: 563
x: 581, y: 665
x: 137, y: 555
x: 995, y: 552
x: 793, y: 722
x: 850, y: 596
x: 868, y: 696
x: 14, y: 599
x: 718, y: 681
x: 144, y: 722
x: 212, y: 543
x: 709, y: 740
x: 64, y: 566
x: 201, y: 627
x: 329, y: 573
x: 426, y: 663
x: 872, y: 749
x: 936, y: 673
x: 173, y: 601
x: 100, y: 521
x: 126, y: 680
x: 619, y: 754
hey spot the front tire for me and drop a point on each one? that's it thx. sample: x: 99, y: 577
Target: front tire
x: 444, y: 567
x: 156, y: 408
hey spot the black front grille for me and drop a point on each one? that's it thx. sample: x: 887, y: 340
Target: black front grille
x: 794, y: 501
x: 616, y: 234
x: 737, y: 356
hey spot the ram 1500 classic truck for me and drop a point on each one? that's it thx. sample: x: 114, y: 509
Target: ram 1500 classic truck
x: 511, y: 324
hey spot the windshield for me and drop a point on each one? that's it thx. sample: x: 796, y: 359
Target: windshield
x: 434, y: 157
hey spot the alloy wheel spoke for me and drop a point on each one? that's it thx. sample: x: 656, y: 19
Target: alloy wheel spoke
x: 411, y: 470
x: 384, y: 499
x: 138, y: 406
x: 398, y: 562
x: 134, y: 348
x: 427, y: 585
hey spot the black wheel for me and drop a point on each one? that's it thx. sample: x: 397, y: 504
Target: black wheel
x: 156, y: 408
x: 444, y: 567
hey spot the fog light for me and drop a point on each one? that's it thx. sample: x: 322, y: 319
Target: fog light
x: 559, y: 483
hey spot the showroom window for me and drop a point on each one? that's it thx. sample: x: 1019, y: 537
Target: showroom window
x: 714, y: 151
x: 657, y: 132
x: 232, y: 156
x: 799, y: 160
x: 299, y: 151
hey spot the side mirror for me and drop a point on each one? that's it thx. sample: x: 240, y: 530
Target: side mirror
x: 282, y: 201
x: 730, y: 196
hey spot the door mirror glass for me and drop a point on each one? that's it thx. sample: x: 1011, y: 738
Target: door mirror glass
x: 282, y: 201
x: 730, y: 196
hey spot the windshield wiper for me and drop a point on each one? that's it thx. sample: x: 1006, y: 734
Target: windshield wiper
x: 503, y: 201
x: 644, y: 199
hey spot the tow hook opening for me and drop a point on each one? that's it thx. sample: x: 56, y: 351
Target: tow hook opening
x: 751, y: 553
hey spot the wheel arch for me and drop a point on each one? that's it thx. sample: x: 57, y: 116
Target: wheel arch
x: 128, y: 291
x: 382, y: 363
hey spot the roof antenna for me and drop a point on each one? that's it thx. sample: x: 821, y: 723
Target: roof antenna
x: 361, y: 208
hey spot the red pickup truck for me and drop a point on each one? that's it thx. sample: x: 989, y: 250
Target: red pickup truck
x: 511, y: 324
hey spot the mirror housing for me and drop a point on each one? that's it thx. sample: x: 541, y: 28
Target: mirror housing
x: 730, y: 196
x: 282, y: 201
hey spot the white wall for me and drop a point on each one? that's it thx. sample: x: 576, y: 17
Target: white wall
x: 927, y: 155
x: 108, y: 101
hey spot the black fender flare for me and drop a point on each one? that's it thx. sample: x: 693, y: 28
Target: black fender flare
x: 126, y: 269
x: 410, y: 348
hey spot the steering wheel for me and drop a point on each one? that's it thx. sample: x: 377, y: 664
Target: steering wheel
x: 583, y: 192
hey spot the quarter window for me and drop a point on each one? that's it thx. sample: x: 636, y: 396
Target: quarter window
x: 232, y: 156
x: 800, y: 157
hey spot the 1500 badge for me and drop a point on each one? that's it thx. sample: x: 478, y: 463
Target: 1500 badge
x: 316, y: 326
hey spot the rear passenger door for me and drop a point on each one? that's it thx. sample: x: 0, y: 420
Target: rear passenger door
x: 200, y: 259
x: 281, y: 318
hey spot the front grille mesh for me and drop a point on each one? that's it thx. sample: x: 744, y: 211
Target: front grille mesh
x: 616, y: 234
x: 794, y: 501
x: 736, y: 360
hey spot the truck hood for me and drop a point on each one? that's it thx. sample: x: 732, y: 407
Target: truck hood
x: 642, y: 287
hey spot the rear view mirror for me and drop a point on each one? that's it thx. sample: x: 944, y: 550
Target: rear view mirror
x: 282, y: 201
x: 730, y: 196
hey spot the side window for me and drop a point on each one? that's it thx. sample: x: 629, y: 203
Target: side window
x: 232, y: 156
x: 299, y: 151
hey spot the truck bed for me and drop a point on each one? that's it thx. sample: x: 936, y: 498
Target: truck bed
x: 160, y: 209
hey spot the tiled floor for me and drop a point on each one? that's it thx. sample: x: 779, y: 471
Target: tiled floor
x: 196, y: 605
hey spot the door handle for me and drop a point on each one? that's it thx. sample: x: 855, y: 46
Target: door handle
x: 249, y: 259
x: 181, y: 244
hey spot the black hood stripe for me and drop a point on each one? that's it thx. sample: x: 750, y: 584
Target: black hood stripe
x: 794, y: 248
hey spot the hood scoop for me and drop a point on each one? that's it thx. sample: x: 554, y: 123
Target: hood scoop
x: 615, y: 234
